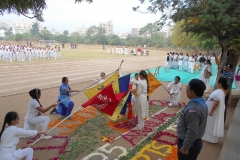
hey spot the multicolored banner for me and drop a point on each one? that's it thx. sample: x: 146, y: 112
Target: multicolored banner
x: 153, y: 83
x: 91, y: 92
x: 119, y: 107
x: 106, y: 101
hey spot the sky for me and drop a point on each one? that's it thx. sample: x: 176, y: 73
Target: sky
x: 66, y: 15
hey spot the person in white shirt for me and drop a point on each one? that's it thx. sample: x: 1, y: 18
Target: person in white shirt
x: 135, y: 81
x: 141, y: 104
x: 167, y: 62
x: 191, y: 63
x: 1, y: 54
x: 185, y: 62
x: 206, y: 73
x: 102, y: 78
x: 174, y: 90
x: 9, y: 139
x: 33, y: 116
x: 180, y: 61
x: 112, y: 50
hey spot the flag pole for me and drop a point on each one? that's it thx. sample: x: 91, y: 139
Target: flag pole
x: 72, y: 112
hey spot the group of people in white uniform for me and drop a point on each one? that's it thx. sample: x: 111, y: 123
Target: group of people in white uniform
x: 20, y: 53
x: 186, y: 62
x: 125, y: 51
x: 10, y: 133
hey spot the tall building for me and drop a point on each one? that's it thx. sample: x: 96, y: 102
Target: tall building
x: 24, y: 26
x: 108, y: 27
x: 135, y: 31
x: 82, y: 30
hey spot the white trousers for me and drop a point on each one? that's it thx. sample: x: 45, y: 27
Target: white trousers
x: 140, y: 119
x: 42, y: 120
x: 26, y: 153
x: 174, y: 99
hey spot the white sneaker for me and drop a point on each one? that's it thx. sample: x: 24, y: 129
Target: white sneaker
x: 170, y: 104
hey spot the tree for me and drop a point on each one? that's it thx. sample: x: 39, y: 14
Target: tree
x: 18, y: 37
x: 62, y: 38
x: 30, y: 8
x: 9, y: 34
x: 65, y: 32
x: 148, y: 30
x: 35, y: 30
x: 95, y: 34
x: 208, y: 18
x: 114, y: 40
x: 46, y: 35
x: 76, y: 38
x: 181, y: 38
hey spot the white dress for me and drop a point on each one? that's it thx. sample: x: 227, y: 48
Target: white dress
x: 206, y: 80
x: 167, y: 61
x: 176, y: 89
x: 215, y: 123
x: 180, y: 61
x: 141, y: 104
x: 134, y: 82
x: 185, y: 62
x: 9, y: 141
x: 191, y: 62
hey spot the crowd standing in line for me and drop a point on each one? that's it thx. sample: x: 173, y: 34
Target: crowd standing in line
x: 21, y: 53
x: 125, y: 51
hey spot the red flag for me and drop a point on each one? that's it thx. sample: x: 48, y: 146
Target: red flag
x: 105, y: 100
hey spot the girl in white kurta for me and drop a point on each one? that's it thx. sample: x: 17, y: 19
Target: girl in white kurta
x: 216, y: 107
x: 236, y: 77
x: 141, y: 104
x: 167, y: 62
x: 35, y: 109
x: 206, y: 73
x: 180, y: 61
x: 185, y: 62
x: 135, y: 82
x: 191, y: 62
x: 10, y: 138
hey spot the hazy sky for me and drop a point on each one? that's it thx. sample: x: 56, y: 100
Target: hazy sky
x: 65, y: 15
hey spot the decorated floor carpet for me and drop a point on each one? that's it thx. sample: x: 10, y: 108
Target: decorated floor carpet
x: 91, y: 136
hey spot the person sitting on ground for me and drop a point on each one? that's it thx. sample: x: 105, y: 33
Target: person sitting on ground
x: 64, y: 108
x: 9, y: 139
x: 33, y: 116
x: 192, y: 122
x: 174, y: 90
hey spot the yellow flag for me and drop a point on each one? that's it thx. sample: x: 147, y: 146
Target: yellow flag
x: 91, y: 92
x: 153, y: 83
x: 117, y: 111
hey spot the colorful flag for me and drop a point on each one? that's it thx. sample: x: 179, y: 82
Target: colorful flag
x: 124, y: 83
x: 124, y: 87
x: 153, y: 83
x: 119, y: 107
x: 91, y: 92
x: 106, y: 101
